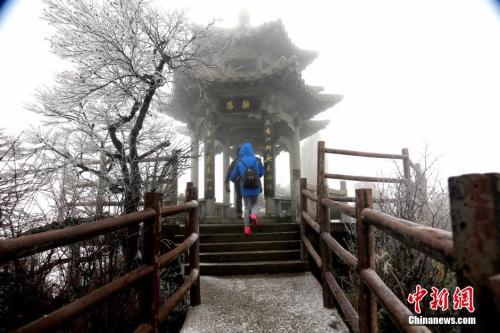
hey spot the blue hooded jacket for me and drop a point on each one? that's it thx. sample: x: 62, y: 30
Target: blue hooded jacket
x: 247, y: 156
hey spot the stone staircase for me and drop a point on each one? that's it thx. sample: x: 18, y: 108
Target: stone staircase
x: 273, y: 247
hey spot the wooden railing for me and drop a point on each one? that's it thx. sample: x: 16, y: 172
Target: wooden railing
x: 146, y: 277
x: 472, y: 250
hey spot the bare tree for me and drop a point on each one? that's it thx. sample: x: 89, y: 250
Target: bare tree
x: 25, y: 175
x: 122, y: 56
x: 424, y: 201
x: 403, y: 268
x: 23, y: 183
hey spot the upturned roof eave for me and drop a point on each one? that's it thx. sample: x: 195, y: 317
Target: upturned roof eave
x: 274, y: 36
x: 285, y: 71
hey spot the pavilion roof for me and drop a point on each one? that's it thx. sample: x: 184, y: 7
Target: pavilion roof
x: 283, y: 77
x: 311, y: 127
x: 287, y: 77
x: 270, y: 36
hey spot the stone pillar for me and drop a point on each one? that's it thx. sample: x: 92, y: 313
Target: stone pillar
x: 225, y: 167
x: 195, y: 162
x: 209, y: 168
x: 295, y: 173
x: 233, y: 154
x: 269, y: 167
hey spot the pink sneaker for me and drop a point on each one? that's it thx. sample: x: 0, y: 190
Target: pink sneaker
x: 253, y: 219
x: 247, y: 230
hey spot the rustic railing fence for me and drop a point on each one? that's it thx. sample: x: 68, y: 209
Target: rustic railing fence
x: 472, y: 250
x: 145, y: 277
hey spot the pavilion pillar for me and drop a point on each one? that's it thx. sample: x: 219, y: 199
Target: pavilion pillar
x: 225, y: 167
x: 170, y: 197
x: 295, y: 174
x: 269, y: 167
x: 209, y: 168
x: 234, y: 153
x: 195, y: 162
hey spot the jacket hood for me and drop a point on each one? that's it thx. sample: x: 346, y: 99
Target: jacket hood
x: 246, y: 150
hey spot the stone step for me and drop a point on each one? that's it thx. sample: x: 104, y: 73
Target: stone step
x: 254, y: 267
x: 245, y: 256
x: 254, y: 237
x: 238, y: 228
x: 262, y: 219
x: 250, y: 246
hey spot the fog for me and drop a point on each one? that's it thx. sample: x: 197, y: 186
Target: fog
x: 413, y: 74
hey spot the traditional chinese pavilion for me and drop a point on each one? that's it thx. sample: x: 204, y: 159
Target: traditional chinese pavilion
x: 261, y: 99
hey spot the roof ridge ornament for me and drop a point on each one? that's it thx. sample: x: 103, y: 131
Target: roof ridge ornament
x: 244, y: 19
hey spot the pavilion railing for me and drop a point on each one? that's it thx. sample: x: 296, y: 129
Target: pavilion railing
x: 146, y: 277
x: 472, y: 250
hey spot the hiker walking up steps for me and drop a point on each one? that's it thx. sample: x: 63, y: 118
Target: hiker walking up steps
x: 248, y: 170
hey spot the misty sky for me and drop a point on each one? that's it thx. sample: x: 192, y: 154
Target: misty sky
x: 413, y: 73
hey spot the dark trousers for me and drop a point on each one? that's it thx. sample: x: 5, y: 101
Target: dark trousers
x: 238, y: 203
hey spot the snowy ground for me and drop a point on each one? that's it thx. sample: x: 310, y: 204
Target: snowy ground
x: 261, y: 303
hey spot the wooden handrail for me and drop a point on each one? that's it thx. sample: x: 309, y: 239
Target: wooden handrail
x: 149, y: 292
x: 23, y: 246
x: 436, y: 243
x: 180, y: 208
x: 353, y: 199
x: 344, y: 208
x: 344, y: 255
x: 342, y: 199
x: 312, y: 252
x: 172, y: 301
x: 345, y: 306
x: 310, y: 195
x: 363, y: 178
x: 310, y: 222
x: 30, y: 244
x: 73, y: 310
x: 177, y: 296
x: 171, y: 255
x: 397, y: 310
x: 466, y: 210
x: 362, y: 154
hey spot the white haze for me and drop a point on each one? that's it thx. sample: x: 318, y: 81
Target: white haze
x: 413, y: 73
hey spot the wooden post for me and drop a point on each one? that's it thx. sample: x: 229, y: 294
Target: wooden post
x: 304, y: 255
x: 367, y: 302
x: 193, y: 226
x: 150, y: 286
x: 324, y: 226
x: 475, y: 215
x: 407, y: 176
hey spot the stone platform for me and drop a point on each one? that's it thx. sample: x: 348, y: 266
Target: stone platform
x: 262, y: 303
